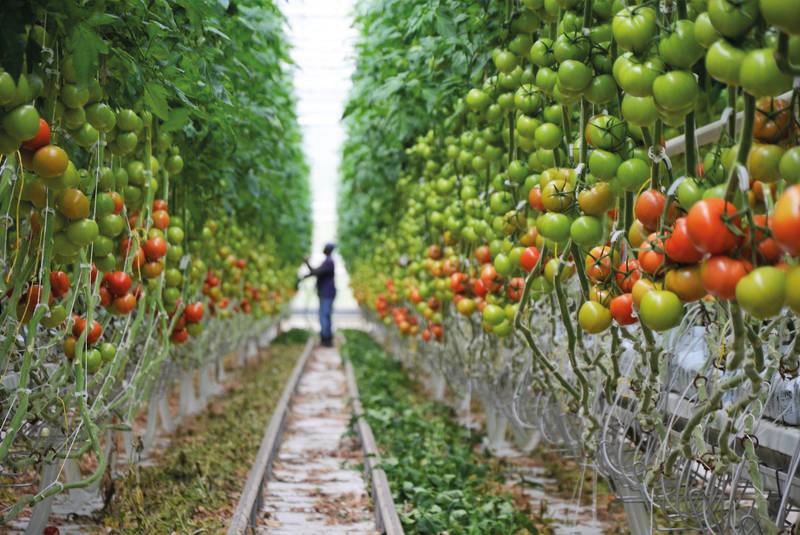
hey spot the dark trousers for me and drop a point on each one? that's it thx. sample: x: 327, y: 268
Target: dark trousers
x: 325, y: 324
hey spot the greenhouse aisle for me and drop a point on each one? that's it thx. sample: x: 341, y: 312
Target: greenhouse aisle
x: 316, y: 486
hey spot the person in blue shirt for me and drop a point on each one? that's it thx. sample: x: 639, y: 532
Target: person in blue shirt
x: 326, y: 290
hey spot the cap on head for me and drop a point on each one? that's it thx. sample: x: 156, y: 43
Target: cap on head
x: 329, y: 247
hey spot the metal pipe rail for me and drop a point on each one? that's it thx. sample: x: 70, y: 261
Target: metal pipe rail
x: 386, y: 518
x: 244, y: 516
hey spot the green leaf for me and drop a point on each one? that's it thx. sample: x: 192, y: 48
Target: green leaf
x: 155, y: 98
x: 86, y: 47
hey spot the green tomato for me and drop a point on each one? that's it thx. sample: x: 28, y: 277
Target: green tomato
x: 678, y: 45
x: 586, y: 231
x: 723, y: 62
x: 554, y: 226
x: 673, y: 90
x: 634, y: 28
x: 92, y: 360
x: 762, y: 292
x: 688, y: 193
x: 733, y: 18
x: 83, y: 232
x: 660, y: 310
x: 107, y: 351
x: 789, y: 166
x: 704, y: 31
x: 604, y: 164
x: 760, y: 76
x: 574, y: 76
x: 21, y: 123
x: 548, y: 136
x: 640, y: 111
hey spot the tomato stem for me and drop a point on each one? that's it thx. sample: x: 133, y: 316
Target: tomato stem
x: 745, y: 142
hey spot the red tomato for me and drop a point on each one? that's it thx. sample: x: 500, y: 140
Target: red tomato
x: 105, y: 296
x: 622, y: 309
x: 679, y: 247
x: 117, y: 282
x: 708, y: 230
x: 490, y: 277
x: 651, y: 257
x: 193, y: 312
x: 95, y: 331
x: 159, y: 204
x: 155, y: 248
x: 180, y: 336
x: 59, y: 283
x: 529, y: 258
x: 720, y: 274
x: 479, y: 288
x: 627, y: 275
x: 41, y: 139
x: 458, y: 282
x: 515, y: 288
x: 785, y: 222
x: 649, y: 207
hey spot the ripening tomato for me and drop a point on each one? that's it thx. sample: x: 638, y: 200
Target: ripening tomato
x: 458, y: 283
x: 686, y: 283
x: 598, y: 263
x: 483, y: 255
x: 707, y: 226
x: 627, y: 275
x: 124, y: 304
x: 773, y: 120
x: 160, y: 219
x: 593, y: 317
x: 50, y: 161
x: 766, y: 246
x: 69, y: 346
x: 785, y: 221
x: 621, y: 308
x: 651, y: 255
x: 600, y: 295
x: 793, y: 289
x: 720, y: 274
x: 762, y: 292
x: 679, y: 247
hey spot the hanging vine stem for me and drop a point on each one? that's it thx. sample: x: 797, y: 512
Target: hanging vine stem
x: 571, y: 343
x: 528, y: 335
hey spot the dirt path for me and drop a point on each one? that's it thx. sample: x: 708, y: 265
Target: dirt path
x: 316, y: 486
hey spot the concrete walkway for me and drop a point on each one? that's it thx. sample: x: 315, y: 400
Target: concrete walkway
x: 316, y: 486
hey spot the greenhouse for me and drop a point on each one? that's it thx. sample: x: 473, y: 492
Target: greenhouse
x: 400, y: 266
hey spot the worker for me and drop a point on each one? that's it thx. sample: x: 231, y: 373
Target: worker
x: 326, y: 290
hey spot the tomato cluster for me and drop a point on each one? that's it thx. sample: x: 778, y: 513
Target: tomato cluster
x: 555, y: 167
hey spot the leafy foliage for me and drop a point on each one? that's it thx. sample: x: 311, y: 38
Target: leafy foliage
x: 439, y: 483
x: 414, y: 59
x: 217, y: 73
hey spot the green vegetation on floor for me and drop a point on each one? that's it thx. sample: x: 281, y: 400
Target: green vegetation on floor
x: 194, y: 486
x: 439, y: 481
